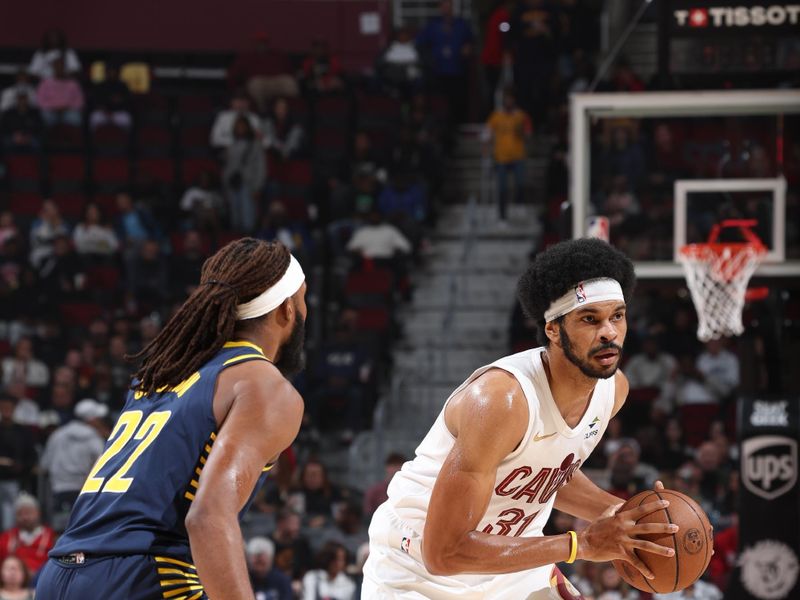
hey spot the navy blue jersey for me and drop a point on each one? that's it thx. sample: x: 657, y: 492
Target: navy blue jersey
x: 137, y: 495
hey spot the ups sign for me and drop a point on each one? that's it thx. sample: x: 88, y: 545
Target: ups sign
x: 769, y: 465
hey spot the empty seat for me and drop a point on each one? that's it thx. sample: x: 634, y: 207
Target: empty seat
x: 192, y: 167
x: 160, y: 169
x: 111, y: 171
x: 66, y: 167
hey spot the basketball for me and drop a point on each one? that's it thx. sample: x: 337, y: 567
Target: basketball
x: 693, y: 544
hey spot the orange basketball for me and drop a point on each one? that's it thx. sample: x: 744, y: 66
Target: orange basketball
x: 693, y: 544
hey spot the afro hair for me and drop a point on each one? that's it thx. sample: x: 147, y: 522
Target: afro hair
x: 559, y: 268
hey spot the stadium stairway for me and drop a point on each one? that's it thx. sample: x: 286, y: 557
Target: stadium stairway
x: 459, y: 317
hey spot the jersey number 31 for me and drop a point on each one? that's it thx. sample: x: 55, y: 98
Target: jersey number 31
x: 126, y: 428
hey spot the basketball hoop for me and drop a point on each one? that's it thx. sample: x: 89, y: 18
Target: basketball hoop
x: 717, y: 274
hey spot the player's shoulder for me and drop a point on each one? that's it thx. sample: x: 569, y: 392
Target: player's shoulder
x: 259, y: 383
x: 495, y: 398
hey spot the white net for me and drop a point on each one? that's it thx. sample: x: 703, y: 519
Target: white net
x: 717, y: 275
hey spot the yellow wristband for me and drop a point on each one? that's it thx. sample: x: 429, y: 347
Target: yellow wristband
x: 573, y: 547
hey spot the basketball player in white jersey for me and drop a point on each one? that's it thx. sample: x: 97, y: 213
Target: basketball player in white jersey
x: 464, y: 519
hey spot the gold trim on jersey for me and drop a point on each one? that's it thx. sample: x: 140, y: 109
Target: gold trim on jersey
x: 194, y: 483
x: 242, y: 357
x: 244, y: 344
x: 178, y: 579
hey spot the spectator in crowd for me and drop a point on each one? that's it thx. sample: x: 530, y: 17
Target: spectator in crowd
x: 54, y: 47
x: 28, y: 538
x: 283, y: 133
x: 348, y: 530
x: 357, y: 572
x: 245, y: 174
x: 44, y: 231
x: 624, y: 79
x: 719, y: 368
x: 93, y: 236
x: 620, y: 205
x: 72, y: 450
x: 61, y: 274
x: 17, y: 458
x: 23, y: 365
x: 627, y: 475
x: 26, y: 410
x: 329, y: 580
x: 650, y: 374
x: 399, y: 67
x: 8, y: 226
x: 148, y: 277
x: 495, y: 51
x: 535, y: 32
x: 714, y: 475
x: 222, y: 131
x: 21, y: 86
x: 340, y: 375
x: 59, y: 410
x: 699, y: 590
x: 268, y: 582
x: 510, y: 128
x: 60, y: 97
x: 322, y: 71
x: 610, y: 586
x: 376, y: 493
x: 623, y: 155
x: 292, y: 550
x: 447, y: 42
x: 134, y: 224
x: 276, y: 225
x: 378, y: 240
x: 315, y: 495
x: 15, y: 579
x: 724, y: 559
x: 202, y: 204
x: 187, y: 264
x: 111, y: 100
x: 21, y: 125
x: 674, y: 452
x: 264, y: 71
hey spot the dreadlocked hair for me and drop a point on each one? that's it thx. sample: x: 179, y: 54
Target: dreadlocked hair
x: 237, y: 273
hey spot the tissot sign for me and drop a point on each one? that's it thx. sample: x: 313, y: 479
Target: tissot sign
x: 722, y: 17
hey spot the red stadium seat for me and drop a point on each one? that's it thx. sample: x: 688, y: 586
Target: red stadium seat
x: 107, y: 204
x: 160, y: 169
x: 80, y: 313
x: 154, y: 136
x: 696, y: 420
x: 192, y: 167
x: 195, y: 136
x: 70, y: 204
x: 296, y: 172
x: 103, y: 278
x: 176, y: 241
x: 374, y: 319
x: 24, y: 203
x: 65, y: 137
x: 110, y: 139
x: 376, y: 281
x: 23, y: 166
x: 67, y: 167
x: 111, y: 170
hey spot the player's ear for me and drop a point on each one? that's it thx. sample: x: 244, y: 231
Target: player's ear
x: 552, y: 333
x: 286, y: 311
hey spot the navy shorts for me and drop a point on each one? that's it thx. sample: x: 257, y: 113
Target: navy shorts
x: 134, y: 577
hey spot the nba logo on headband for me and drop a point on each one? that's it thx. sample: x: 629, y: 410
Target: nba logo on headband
x: 580, y: 294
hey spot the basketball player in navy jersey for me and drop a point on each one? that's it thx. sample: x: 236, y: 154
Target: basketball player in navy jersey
x: 209, y: 411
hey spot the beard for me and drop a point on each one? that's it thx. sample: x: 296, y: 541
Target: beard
x: 291, y: 358
x: 584, y: 365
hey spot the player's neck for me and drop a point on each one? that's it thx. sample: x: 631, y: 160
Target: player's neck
x: 269, y: 344
x: 570, y: 388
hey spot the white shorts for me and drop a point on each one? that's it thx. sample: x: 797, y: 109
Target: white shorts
x: 394, y: 571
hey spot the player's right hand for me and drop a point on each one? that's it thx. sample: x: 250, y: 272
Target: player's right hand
x: 616, y: 537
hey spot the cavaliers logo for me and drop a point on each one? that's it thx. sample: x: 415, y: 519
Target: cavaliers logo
x: 693, y: 541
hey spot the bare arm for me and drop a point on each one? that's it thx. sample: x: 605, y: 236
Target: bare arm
x: 263, y: 420
x: 489, y: 420
x: 583, y: 499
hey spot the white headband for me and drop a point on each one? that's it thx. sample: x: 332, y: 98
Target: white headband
x: 586, y: 292
x: 274, y: 296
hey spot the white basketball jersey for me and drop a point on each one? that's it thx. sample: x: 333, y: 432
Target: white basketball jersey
x: 529, y: 478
